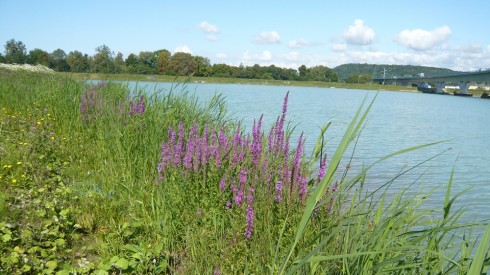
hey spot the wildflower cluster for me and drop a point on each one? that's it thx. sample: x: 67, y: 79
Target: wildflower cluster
x: 27, y: 67
x: 92, y: 104
x: 247, y: 165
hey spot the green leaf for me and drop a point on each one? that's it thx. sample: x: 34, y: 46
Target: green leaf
x: 481, y: 253
x: 51, y: 265
x: 122, y: 264
x: 6, y: 238
x: 100, y: 272
x: 25, y: 268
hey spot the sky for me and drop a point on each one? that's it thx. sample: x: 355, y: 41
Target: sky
x: 440, y: 33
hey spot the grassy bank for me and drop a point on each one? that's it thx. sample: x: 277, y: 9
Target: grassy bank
x: 166, y: 78
x: 98, y: 179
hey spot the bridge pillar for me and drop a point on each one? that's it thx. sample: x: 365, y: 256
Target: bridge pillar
x: 440, y: 87
x: 463, y: 87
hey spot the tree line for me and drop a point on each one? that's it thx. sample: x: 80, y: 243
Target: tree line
x: 155, y: 62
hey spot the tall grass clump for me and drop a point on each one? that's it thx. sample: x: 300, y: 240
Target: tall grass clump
x: 99, y: 178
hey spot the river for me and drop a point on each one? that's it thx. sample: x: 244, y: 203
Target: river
x: 398, y: 120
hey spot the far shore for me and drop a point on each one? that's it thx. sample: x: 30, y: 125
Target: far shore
x: 218, y: 80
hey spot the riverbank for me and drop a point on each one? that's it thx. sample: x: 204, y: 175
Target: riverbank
x: 165, y: 78
x: 96, y: 179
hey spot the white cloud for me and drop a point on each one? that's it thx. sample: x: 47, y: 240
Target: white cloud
x: 299, y: 43
x: 359, y: 34
x: 292, y: 56
x: 268, y: 37
x: 221, y: 56
x: 205, y: 26
x: 265, y: 56
x: 339, y: 47
x: 264, y: 59
x: 422, y: 40
x: 183, y: 49
x: 212, y: 38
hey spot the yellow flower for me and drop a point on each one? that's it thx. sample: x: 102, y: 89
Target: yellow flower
x: 14, y: 180
x: 9, y: 166
x: 52, y: 138
x: 38, y: 123
x: 19, y: 162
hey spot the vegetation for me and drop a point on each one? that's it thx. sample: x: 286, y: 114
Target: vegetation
x: 99, y: 179
x: 160, y: 62
x: 378, y: 71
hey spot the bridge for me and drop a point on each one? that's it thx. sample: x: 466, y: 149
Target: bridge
x: 462, y: 79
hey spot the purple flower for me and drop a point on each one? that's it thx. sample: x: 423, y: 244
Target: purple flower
x: 222, y: 184
x: 239, y: 196
x: 132, y: 108
x: 180, y: 146
x: 250, y: 222
x: 250, y: 214
x: 243, y: 177
x: 303, y: 187
x: 278, y: 191
x: 256, y: 149
x: 140, y: 107
x: 321, y: 171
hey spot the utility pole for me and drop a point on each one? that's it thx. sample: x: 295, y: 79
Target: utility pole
x: 384, y: 75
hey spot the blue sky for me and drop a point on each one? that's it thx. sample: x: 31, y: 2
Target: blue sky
x: 451, y: 34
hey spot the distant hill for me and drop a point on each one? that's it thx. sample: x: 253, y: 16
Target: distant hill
x: 376, y: 70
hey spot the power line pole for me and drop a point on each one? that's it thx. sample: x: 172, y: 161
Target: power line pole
x: 384, y: 75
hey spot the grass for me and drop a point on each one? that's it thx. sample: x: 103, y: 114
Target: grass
x: 99, y: 179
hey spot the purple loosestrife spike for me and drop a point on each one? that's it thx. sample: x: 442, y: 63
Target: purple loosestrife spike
x: 132, y: 108
x: 256, y: 149
x: 250, y: 214
x: 278, y: 191
x: 303, y: 187
x: 250, y: 222
x: 180, y: 145
x: 222, y: 138
x: 239, y: 196
x: 222, y: 184
x: 140, y: 108
x: 218, y: 157
x: 322, y: 170
x: 189, y: 154
x: 243, y: 176
x: 83, y: 105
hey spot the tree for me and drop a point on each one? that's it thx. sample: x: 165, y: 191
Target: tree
x: 321, y: 73
x: 132, y: 62
x: 203, y: 66
x: 78, y: 62
x: 148, y: 60
x: 359, y: 78
x: 302, y: 72
x: 2, y: 58
x: 103, y: 60
x: 163, y: 61
x: 15, y: 52
x: 221, y: 70
x: 119, y: 65
x: 57, y: 61
x: 38, y: 56
x: 182, y: 64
